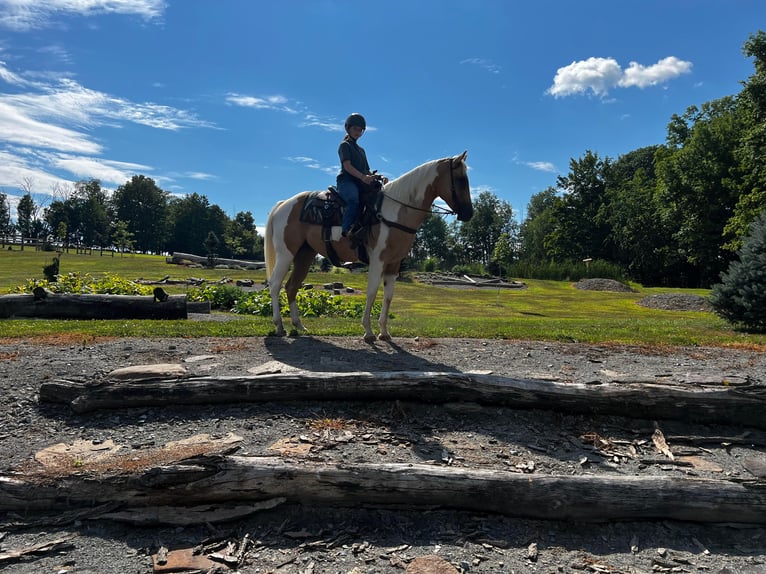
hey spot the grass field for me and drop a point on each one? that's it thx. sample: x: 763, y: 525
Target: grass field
x: 546, y: 310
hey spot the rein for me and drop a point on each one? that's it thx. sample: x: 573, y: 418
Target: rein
x: 435, y: 209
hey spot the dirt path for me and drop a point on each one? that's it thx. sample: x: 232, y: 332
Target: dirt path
x: 291, y: 538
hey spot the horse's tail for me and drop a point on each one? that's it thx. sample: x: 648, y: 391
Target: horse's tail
x: 268, y: 243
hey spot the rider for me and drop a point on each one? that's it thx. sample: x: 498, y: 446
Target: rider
x: 354, y: 169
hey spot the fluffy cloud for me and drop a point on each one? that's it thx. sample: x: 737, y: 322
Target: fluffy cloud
x: 598, y: 75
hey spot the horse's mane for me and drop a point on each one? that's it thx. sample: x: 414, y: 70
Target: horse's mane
x: 403, y: 186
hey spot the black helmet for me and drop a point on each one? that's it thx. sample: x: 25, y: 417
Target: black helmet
x: 356, y: 120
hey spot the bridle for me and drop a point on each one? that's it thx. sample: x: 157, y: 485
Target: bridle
x: 435, y: 209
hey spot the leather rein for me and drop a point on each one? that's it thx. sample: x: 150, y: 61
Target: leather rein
x: 437, y: 209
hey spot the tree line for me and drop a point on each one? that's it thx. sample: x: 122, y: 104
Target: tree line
x: 138, y: 216
x: 671, y: 214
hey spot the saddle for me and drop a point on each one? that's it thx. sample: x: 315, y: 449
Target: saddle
x: 326, y: 208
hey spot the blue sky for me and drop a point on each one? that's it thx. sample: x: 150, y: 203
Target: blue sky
x: 243, y: 101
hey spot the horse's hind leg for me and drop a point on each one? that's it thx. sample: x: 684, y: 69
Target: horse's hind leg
x: 281, y: 268
x: 301, y: 264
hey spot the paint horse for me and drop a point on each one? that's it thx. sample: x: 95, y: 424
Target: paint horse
x: 402, y: 206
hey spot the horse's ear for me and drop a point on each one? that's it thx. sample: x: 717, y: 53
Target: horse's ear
x: 462, y: 156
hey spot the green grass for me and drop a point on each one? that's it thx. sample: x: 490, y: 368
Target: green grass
x: 546, y: 310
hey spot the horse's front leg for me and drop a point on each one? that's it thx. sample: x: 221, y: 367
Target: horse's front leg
x: 389, y: 282
x: 373, y: 282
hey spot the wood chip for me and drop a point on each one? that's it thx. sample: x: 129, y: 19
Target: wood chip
x: 659, y: 443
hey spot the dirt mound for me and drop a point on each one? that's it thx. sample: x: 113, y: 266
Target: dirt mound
x: 603, y: 285
x: 676, y: 302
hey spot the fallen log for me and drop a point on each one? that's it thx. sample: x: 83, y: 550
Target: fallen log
x: 44, y: 304
x: 223, y: 479
x: 178, y: 258
x: 714, y: 400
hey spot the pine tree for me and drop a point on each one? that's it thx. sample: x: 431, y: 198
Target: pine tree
x: 740, y: 298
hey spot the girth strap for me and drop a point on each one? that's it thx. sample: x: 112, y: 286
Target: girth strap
x: 396, y: 225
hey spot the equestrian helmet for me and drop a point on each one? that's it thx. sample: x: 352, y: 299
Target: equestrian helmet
x: 356, y: 120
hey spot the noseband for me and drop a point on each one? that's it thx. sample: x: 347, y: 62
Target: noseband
x: 437, y: 209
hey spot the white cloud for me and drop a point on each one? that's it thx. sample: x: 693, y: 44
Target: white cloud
x: 599, y: 75
x: 643, y: 76
x: 276, y: 102
x: 23, y: 15
x: 108, y: 172
x: 48, y: 126
x: 329, y: 125
x: 541, y: 166
x: 487, y: 65
x: 18, y: 128
x: 312, y: 163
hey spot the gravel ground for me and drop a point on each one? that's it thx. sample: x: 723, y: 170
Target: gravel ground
x: 293, y: 538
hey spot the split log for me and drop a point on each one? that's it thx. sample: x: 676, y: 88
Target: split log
x: 223, y: 479
x: 48, y: 305
x: 726, y: 400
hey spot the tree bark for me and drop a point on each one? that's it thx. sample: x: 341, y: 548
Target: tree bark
x: 48, y: 305
x: 708, y: 400
x: 223, y: 479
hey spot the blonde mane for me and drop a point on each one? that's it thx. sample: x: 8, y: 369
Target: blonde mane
x: 404, y: 187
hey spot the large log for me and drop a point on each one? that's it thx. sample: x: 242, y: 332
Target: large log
x: 178, y: 258
x: 46, y: 305
x: 728, y: 400
x: 223, y: 479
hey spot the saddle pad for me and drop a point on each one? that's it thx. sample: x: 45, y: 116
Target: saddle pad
x: 322, y: 208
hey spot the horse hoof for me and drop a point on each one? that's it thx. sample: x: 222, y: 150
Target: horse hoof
x: 369, y: 338
x: 385, y: 337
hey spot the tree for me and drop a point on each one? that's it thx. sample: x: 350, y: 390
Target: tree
x: 94, y: 217
x: 580, y: 230
x: 242, y: 237
x: 431, y: 242
x: 537, y: 225
x: 749, y: 175
x: 491, y: 218
x: 640, y: 236
x: 61, y: 217
x: 25, y: 213
x: 192, y: 218
x: 143, y: 206
x: 6, y: 227
x: 740, y: 298
x: 695, y: 189
x: 122, y: 238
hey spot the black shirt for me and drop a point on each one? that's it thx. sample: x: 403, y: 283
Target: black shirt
x: 352, y: 151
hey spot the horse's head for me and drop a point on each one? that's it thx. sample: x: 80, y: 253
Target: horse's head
x: 453, y: 186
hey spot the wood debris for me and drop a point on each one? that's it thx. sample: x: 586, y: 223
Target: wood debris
x: 659, y: 443
x: 41, y: 548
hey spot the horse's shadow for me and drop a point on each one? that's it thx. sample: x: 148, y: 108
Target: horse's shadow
x: 310, y: 354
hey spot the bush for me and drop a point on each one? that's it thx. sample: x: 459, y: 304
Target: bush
x: 740, y: 298
x: 219, y: 296
x: 82, y: 283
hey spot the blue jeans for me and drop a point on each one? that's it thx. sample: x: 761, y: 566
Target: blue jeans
x: 349, y: 191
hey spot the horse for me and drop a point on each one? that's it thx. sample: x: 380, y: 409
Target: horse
x: 402, y: 206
